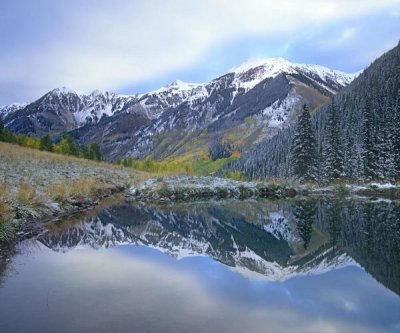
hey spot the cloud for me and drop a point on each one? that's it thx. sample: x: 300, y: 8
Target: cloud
x: 108, y: 45
x: 347, y: 34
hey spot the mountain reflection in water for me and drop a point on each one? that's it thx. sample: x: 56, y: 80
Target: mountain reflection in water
x: 272, y: 240
x: 316, y: 265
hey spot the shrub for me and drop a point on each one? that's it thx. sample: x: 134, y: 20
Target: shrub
x: 236, y: 175
x: 6, y: 212
x: 7, y: 231
x: 26, y: 195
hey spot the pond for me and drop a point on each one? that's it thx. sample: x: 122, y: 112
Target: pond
x: 299, y: 265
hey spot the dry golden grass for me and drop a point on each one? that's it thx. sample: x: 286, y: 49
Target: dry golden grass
x: 8, y: 150
x: 65, y: 190
x: 26, y: 195
x: 58, y: 192
x: 140, y: 177
x: 6, y: 212
x: 31, y: 177
x: 4, y: 191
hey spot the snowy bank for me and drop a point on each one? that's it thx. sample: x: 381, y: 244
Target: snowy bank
x: 187, y: 188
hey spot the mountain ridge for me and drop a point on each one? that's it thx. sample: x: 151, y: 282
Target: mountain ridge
x: 268, y: 95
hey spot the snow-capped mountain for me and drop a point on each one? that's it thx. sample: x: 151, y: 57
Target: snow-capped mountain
x: 174, y: 94
x: 253, y: 100
x: 64, y: 109
x: 250, y: 73
x: 7, y: 109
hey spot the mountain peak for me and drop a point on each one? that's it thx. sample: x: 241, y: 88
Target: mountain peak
x: 64, y: 90
x: 278, y: 63
x: 177, y: 85
x: 251, y: 72
x: 181, y: 85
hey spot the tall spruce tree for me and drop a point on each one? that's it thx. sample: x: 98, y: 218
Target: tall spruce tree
x: 303, y: 151
x: 369, y: 152
x: 304, y: 212
x: 332, y: 152
x: 395, y: 135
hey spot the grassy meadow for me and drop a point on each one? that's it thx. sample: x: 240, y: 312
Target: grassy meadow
x: 36, y: 183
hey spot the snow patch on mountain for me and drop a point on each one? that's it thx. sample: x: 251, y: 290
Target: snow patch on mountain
x: 280, y: 228
x: 252, y: 72
x: 271, y: 66
x: 5, y: 110
x: 272, y: 271
x: 178, y: 85
x: 278, y: 112
x: 176, y: 93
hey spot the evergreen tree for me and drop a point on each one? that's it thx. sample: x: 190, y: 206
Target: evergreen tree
x: 73, y: 147
x: 94, y: 152
x: 46, y: 143
x: 331, y: 150
x: 304, y: 153
x: 219, y: 149
x: 1, y: 130
x: 368, y: 152
x: 394, y: 137
x: 85, y: 152
x: 334, y: 221
x: 91, y: 152
x: 304, y: 212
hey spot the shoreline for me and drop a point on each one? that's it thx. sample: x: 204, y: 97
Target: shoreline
x: 163, y: 190
x: 32, y: 226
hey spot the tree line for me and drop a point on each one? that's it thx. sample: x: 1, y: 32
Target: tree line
x: 66, y: 146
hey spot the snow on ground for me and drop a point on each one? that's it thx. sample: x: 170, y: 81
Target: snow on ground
x: 193, y: 182
x: 371, y: 186
x: 384, y: 186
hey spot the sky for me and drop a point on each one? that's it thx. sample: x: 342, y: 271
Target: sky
x: 132, y: 46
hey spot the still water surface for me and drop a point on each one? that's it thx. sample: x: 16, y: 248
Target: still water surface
x: 317, y: 265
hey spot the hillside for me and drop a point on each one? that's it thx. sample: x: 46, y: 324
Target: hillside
x: 362, y: 122
x: 249, y: 104
x: 36, y: 184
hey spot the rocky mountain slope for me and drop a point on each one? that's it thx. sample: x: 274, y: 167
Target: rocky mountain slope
x: 248, y: 104
x: 242, y: 107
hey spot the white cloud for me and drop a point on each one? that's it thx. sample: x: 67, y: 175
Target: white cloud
x: 123, y: 42
x: 348, y: 34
